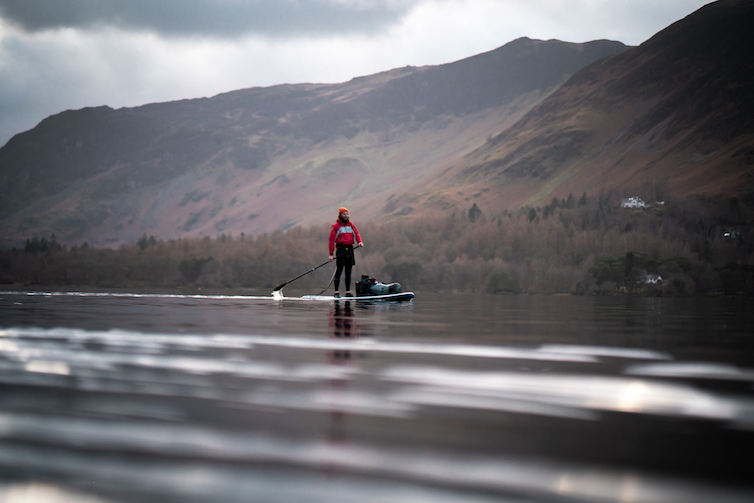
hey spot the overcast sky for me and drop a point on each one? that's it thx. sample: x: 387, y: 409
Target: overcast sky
x: 68, y: 54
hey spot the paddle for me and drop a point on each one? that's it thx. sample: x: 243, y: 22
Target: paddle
x: 307, y: 272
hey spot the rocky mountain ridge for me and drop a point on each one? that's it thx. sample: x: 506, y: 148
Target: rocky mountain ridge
x: 263, y: 159
x: 518, y: 126
x: 673, y: 116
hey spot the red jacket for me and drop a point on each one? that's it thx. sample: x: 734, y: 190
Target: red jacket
x: 343, y: 234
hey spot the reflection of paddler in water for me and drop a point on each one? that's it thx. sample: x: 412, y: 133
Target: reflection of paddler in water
x: 343, y: 325
x: 342, y: 321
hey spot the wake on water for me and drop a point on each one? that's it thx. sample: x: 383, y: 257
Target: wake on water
x: 277, y: 295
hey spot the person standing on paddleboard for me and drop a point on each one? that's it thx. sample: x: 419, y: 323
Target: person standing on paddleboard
x: 343, y: 236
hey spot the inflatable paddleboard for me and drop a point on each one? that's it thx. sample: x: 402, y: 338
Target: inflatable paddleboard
x: 394, y: 297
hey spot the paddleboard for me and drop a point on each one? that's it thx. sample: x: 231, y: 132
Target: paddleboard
x: 393, y: 297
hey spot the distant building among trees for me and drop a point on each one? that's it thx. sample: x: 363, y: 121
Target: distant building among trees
x: 633, y: 202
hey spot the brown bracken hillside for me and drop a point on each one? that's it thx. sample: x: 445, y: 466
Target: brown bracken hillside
x: 519, y: 126
x: 676, y: 112
x: 265, y: 159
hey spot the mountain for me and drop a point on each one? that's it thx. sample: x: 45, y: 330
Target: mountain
x: 263, y: 159
x: 674, y: 115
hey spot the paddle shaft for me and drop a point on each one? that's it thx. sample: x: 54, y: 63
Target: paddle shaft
x: 309, y: 271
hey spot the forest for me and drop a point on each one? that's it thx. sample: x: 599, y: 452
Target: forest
x: 579, y: 245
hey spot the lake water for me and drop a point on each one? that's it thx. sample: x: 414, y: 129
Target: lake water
x: 449, y: 398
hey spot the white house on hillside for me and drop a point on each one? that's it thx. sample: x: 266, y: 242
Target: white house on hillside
x: 633, y: 202
x: 653, y: 279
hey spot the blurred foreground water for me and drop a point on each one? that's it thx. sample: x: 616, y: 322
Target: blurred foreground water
x: 125, y: 397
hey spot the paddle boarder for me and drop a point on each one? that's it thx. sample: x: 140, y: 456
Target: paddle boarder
x: 343, y: 236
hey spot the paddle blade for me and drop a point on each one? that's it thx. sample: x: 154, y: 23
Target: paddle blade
x: 280, y: 287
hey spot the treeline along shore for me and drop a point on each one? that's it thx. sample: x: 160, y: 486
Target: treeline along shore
x: 579, y: 245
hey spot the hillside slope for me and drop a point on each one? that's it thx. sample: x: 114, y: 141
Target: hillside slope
x: 672, y: 116
x: 262, y: 159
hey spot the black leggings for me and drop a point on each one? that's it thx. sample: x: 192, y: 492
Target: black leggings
x: 345, y: 260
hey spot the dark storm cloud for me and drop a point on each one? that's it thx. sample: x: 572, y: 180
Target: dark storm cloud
x: 209, y: 18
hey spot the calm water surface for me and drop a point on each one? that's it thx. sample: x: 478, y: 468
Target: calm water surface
x: 124, y: 397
